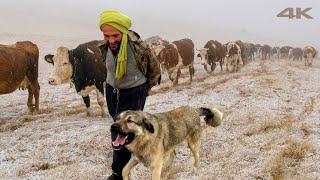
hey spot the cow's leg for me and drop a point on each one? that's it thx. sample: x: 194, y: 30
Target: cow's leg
x: 191, y: 71
x: 30, y: 99
x: 221, y: 63
x: 213, y: 66
x: 205, y: 68
x: 227, y: 69
x: 100, y: 99
x: 86, y: 100
x: 36, y: 92
x: 227, y: 64
x: 170, y: 75
x: 305, y: 62
x: 177, y: 76
x: 236, y: 62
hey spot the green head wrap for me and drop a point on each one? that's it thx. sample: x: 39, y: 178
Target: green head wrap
x: 122, y: 23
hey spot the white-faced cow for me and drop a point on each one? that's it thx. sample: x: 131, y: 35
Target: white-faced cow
x: 233, y: 56
x: 258, y: 50
x: 176, y: 55
x: 84, y: 67
x: 297, y: 54
x: 309, y: 53
x: 19, y: 69
x: 212, y: 53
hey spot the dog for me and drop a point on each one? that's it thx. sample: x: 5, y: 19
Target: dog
x: 152, y: 138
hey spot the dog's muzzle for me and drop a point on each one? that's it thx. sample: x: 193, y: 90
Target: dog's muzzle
x: 120, y: 138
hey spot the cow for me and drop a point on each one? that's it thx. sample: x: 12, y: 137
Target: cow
x: 19, y: 69
x: 265, y: 52
x: 233, y: 56
x: 258, y: 50
x: 309, y: 53
x: 284, y: 51
x: 244, y: 58
x: 175, y: 56
x: 290, y: 54
x: 248, y: 52
x: 83, y: 67
x: 212, y: 53
x: 275, y: 52
x: 297, y: 54
x: 156, y: 47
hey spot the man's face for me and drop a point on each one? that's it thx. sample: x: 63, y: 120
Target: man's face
x: 113, y: 37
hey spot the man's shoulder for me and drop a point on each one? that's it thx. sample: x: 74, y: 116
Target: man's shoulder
x: 134, y: 36
x: 136, y: 40
x: 101, y: 43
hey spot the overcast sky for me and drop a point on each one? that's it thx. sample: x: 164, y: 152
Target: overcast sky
x: 200, y: 20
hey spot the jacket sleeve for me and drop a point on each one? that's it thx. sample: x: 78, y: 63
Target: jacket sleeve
x: 153, y: 70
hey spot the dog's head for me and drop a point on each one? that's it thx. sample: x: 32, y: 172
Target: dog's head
x: 130, y: 125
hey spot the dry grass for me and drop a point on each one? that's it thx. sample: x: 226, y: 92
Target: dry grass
x: 34, y: 167
x: 285, y: 122
x: 309, y: 107
x: 250, y: 132
x: 306, y: 129
x: 284, y: 163
x: 263, y: 67
x: 2, y: 121
x: 47, y: 110
x: 11, y: 126
x: 26, y: 119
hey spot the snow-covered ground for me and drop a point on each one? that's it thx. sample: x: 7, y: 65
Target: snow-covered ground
x: 271, y: 124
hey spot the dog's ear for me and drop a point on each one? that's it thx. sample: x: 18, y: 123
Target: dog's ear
x: 147, y: 125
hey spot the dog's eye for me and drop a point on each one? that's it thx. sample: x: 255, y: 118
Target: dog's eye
x: 130, y: 121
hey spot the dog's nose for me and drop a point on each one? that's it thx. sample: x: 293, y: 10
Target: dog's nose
x: 115, y: 127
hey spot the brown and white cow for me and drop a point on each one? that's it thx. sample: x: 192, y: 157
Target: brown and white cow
x: 309, y: 53
x: 19, y: 69
x: 84, y: 67
x: 176, y: 55
x: 212, y: 53
x: 233, y: 56
x: 297, y: 54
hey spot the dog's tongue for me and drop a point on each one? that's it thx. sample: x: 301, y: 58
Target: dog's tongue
x: 121, y: 139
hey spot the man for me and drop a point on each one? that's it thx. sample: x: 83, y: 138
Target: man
x: 132, y: 69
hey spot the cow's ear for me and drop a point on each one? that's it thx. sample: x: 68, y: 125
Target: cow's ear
x: 49, y: 58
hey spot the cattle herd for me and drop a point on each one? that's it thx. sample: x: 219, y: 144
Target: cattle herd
x: 178, y: 54
x: 84, y: 67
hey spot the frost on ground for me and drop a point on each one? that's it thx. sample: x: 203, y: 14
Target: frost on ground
x: 270, y: 129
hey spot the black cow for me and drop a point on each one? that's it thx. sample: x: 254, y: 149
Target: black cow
x: 84, y: 67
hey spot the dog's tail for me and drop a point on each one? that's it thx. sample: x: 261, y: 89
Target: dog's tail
x: 212, y: 116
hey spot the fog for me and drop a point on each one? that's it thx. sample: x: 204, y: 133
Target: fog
x: 200, y: 20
